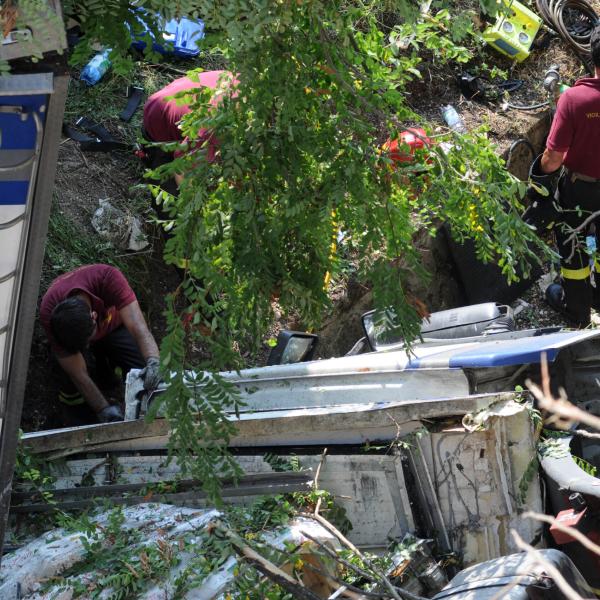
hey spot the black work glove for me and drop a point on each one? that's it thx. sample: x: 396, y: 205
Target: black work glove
x: 541, y: 185
x: 110, y: 414
x: 151, y: 374
x: 542, y: 211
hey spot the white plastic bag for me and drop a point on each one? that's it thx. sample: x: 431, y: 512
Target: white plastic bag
x: 121, y: 229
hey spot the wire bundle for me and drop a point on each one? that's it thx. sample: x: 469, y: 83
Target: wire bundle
x: 573, y: 20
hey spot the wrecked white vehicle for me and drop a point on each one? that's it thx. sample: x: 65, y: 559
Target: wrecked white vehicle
x: 434, y: 442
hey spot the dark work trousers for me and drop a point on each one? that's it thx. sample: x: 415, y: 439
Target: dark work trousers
x: 155, y: 157
x: 578, y: 200
x: 117, y: 349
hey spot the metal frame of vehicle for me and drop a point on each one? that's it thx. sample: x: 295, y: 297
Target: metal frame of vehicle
x: 32, y: 100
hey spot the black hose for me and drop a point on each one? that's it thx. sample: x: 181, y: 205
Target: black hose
x: 527, y: 107
x: 573, y: 20
x: 516, y: 143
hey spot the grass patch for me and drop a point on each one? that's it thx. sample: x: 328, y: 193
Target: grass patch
x: 69, y: 246
x: 104, y: 101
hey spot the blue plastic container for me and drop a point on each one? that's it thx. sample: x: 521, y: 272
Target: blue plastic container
x: 184, y: 35
x: 93, y: 72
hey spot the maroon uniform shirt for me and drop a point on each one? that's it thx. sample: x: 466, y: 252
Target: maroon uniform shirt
x: 162, y: 113
x: 107, y: 289
x: 576, y: 127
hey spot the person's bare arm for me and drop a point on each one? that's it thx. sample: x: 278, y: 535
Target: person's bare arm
x: 551, y: 160
x: 134, y: 321
x: 75, y: 367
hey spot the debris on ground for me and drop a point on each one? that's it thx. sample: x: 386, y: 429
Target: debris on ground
x: 121, y: 229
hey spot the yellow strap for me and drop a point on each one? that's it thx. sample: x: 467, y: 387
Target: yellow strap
x: 597, y: 263
x: 332, y: 247
x: 71, y: 399
x: 542, y: 190
x: 576, y: 274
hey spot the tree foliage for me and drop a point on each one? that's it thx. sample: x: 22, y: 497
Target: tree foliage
x: 320, y: 86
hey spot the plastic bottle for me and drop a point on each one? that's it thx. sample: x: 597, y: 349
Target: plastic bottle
x: 92, y: 72
x: 590, y: 242
x: 453, y: 119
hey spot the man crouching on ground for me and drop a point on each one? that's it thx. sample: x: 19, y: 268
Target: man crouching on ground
x: 94, y: 323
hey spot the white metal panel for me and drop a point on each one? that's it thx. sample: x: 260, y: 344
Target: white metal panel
x: 6, y: 293
x: 372, y: 491
x: 10, y: 240
x: 477, y: 475
x: 353, y: 388
x: 334, y: 389
x: 8, y: 212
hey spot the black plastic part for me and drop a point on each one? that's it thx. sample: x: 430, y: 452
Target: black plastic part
x: 102, y: 141
x: 471, y: 87
x: 70, y: 132
x: 577, y: 501
x: 73, y: 36
x: 284, y: 339
x: 134, y: 95
x: 98, y: 130
x: 510, y: 85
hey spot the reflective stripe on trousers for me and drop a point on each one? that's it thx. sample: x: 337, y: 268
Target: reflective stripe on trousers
x: 73, y: 399
x: 579, y: 274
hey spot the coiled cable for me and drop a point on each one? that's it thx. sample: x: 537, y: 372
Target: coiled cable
x: 573, y: 20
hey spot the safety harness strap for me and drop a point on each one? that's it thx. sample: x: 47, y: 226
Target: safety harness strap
x: 134, y: 95
x: 575, y: 274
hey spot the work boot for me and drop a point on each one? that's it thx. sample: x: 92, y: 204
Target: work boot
x: 556, y: 299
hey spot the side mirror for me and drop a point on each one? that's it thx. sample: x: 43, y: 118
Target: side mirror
x: 380, y: 329
x: 293, y: 347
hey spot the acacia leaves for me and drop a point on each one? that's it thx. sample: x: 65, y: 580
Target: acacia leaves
x: 299, y: 165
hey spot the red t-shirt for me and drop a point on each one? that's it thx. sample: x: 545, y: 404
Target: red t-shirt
x: 162, y: 116
x: 576, y: 127
x: 107, y: 289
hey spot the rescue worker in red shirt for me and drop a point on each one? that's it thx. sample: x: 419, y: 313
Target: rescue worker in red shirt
x: 163, y: 114
x: 567, y: 175
x: 92, y: 318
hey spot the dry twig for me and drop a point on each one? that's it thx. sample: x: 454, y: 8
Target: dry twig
x: 316, y: 481
x: 396, y: 593
x: 565, y: 412
x: 561, y: 408
x: 266, y: 567
x: 583, y: 225
x: 580, y: 537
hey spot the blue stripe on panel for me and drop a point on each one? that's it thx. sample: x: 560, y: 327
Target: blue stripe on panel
x: 17, y: 134
x: 13, y: 192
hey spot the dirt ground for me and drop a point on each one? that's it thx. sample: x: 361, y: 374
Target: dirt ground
x: 83, y: 178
